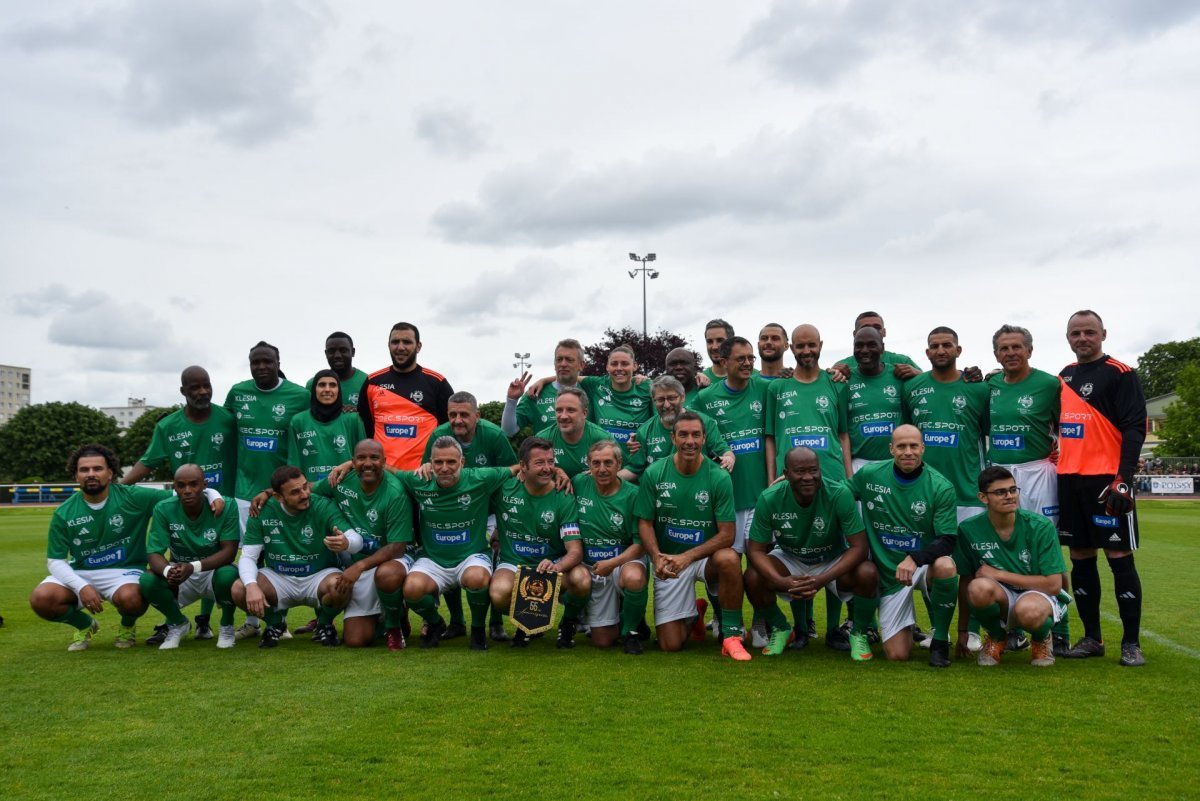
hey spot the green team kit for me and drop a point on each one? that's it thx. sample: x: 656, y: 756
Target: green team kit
x: 810, y: 415
x: 188, y: 540
x: 316, y: 447
x: 572, y: 459
x: 262, y: 429
x: 813, y: 534
x: 607, y: 524
x: 111, y: 537
x: 453, y: 520
x: 656, y: 443
x: 488, y: 448
x: 293, y: 545
x: 875, y: 408
x: 1023, y: 417
x: 537, y: 413
x: 618, y: 413
x: 381, y: 517
x: 952, y: 417
x: 740, y: 416
x: 902, y: 516
x: 1031, y: 550
x: 685, y: 510
x: 533, y: 527
x: 351, y: 387
x: 211, y: 445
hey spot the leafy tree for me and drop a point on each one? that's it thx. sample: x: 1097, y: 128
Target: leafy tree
x: 491, y: 411
x: 1180, y: 432
x: 651, y: 353
x: 136, y: 438
x: 35, y: 443
x: 1159, y: 367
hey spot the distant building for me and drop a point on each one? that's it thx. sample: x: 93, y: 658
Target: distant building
x: 1156, y: 414
x: 125, y: 415
x: 14, y: 390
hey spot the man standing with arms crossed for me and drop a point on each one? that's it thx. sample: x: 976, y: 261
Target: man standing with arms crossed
x: 685, y: 522
x: 1101, y: 431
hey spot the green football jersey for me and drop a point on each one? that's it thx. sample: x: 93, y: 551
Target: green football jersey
x: 1031, y: 550
x: 212, y: 445
x: 488, y: 448
x: 351, y: 389
x: 813, y: 534
x: 533, y: 527
x: 110, y: 537
x: 953, y: 420
x: 1024, y: 418
x: 316, y: 447
x: 262, y: 425
x: 572, y: 459
x: 888, y: 358
x: 537, y: 413
x: 657, y: 443
x: 618, y: 413
x: 191, y: 540
x: 453, y: 520
x: 812, y: 415
x: 607, y: 523
x: 294, y: 545
x: 685, y: 510
x: 902, y: 517
x: 741, y: 417
x: 874, y: 409
x: 381, y: 517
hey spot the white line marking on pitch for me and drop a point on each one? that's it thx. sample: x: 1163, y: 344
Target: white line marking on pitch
x: 1158, y: 638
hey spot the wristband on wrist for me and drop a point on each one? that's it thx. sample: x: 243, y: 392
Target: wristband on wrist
x: 195, y: 567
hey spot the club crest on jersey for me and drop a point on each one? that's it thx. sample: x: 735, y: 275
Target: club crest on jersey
x: 178, y: 454
x: 307, y: 534
x: 465, y: 500
x: 1026, y: 557
x: 547, y: 516
x: 636, y: 403
x: 890, y: 391
x: 702, y: 497
x: 210, y: 535
x: 756, y: 407
x: 1025, y: 401
x: 77, y: 541
x: 481, y: 460
x: 822, y: 402
x: 617, y: 518
x: 373, y: 515
x: 918, y: 508
x: 416, y: 396
x: 279, y: 409
x: 339, y: 441
x: 818, y: 524
x: 959, y: 401
x: 217, y: 438
x: 116, y: 522
x: 1086, y: 389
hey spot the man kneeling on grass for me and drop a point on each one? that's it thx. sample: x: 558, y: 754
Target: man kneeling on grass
x: 299, y: 537
x: 539, y: 527
x: 1017, y: 568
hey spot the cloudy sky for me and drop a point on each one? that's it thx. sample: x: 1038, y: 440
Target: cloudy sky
x: 182, y: 178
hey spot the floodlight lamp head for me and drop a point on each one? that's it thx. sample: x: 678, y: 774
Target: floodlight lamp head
x: 650, y: 257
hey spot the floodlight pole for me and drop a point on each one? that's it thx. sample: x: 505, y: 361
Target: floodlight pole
x: 646, y: 273
x: 522, y: 361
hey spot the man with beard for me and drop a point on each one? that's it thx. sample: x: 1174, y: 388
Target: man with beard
x: 339, y: 354
x: 682, y: 365
x: 96, y: 550
x: 772, y: 344
x: 538, y: 526
x: 654, y: 436
x: 401, y: 404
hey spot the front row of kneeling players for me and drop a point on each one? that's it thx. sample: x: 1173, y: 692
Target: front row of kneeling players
x: 347, y: 546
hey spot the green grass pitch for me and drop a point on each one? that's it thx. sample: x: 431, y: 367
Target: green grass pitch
x: 307, y: 722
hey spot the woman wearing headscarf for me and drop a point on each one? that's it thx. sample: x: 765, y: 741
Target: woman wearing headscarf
x: 323, y: 437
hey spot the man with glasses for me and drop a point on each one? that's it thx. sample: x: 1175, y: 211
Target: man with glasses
x: 654, y: 435
x: 1012, y: 572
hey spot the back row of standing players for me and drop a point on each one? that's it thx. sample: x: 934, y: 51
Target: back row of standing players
x: 1092, y: 420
